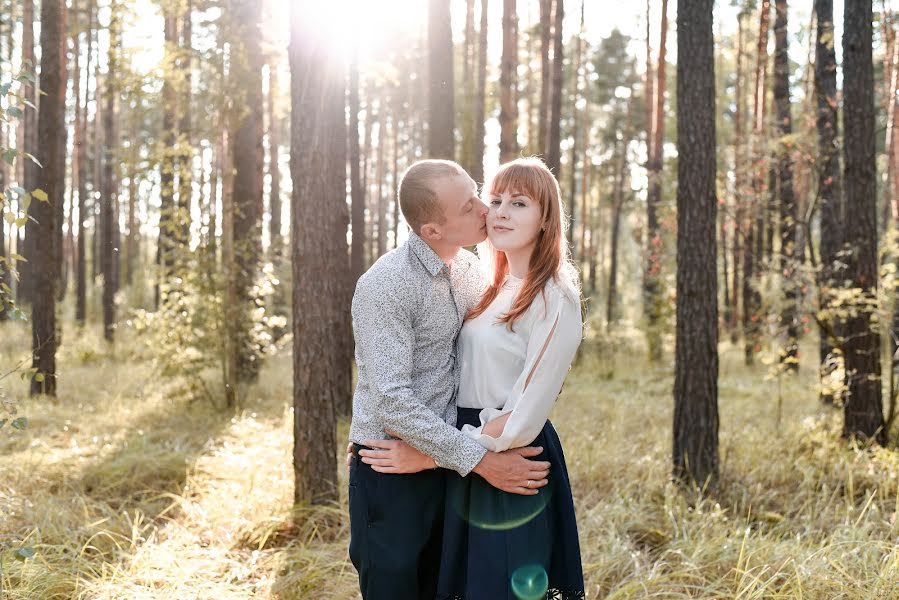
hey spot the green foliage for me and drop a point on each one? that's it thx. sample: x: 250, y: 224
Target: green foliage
x: 187, y: 335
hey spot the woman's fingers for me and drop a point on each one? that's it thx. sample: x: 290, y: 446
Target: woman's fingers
x: 523, y: 491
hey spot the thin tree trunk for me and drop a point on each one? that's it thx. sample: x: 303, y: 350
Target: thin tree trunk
x: 554, y: 134
x: 108, y: 215
x: 51, y: 179
x: 247, y: 193
x: 740, y: 227
x: 81, y: 136
x: 790, y: 253
x: 168, y: 225
x: 545, y: 66
x: 440, y: 97
x: 29, y: 126
x: 696, y: 353
x: 477, y: 172
x: 357, y: 187
x: 863, y: 410
x: 652, y: 270
x: 575, y: 134
x: 508, y: 113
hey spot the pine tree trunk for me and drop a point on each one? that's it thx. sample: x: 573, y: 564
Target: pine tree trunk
x: 575, y: 134
x: 108, y: 215
x: 740, y: 227
x: 440, y: 97
x: 546, y: 26
x: 480, y: 119
x: 696, y: 353
x: 755, y: 230
x: 382, y: 201
x: 863, y: 410
x: 168, y: 215
x: 81, y: 138
x: 652, y: 270
x: 790, y: 253
x: 247, y: 196
x: 184, y: 164
x: 554, y: 133
x: 357, y: 249
x: 508, y: 113
x: 320, y: 304
x: 51, y: 179
x: 29, y: 126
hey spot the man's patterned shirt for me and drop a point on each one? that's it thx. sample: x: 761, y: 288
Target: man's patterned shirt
x: 407, y: 312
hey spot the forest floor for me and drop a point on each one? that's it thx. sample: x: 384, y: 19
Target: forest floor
x: 125, y: 491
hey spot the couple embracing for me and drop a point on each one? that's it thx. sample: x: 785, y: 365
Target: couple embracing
x: 458, y: 485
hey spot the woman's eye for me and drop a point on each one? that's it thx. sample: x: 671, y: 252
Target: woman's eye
x: 519, y: 203
x: 495, y: 202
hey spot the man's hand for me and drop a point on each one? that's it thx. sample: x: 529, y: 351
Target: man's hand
x: 395, y: 456
x: 512, y: 472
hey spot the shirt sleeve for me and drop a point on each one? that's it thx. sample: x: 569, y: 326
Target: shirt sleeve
x: 551, y: 347
x: 383, y: 327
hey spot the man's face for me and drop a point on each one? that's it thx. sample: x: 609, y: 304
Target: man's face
x: 464, y: 213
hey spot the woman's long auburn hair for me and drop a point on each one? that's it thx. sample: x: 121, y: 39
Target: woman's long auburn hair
x: 551, y: 256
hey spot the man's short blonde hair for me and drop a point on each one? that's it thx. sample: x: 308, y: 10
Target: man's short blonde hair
x: 418, y: 199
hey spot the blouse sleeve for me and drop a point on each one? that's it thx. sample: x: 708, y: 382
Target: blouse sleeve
x: 551, y: 347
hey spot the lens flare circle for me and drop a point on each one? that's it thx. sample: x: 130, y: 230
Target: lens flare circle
x: 530, y: 582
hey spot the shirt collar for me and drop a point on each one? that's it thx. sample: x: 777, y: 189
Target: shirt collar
x: 425, y: 254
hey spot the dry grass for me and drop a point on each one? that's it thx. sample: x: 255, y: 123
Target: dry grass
x: 125, y: 493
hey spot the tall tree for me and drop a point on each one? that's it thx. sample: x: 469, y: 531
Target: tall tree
x: 554, y: 119
x: 80, y: 168
x: 440, y: 71
x: 108, y: 214
x: 28, y: 143
x: 51, y: 179
x: 168, y: 214
x: 357, y: 190
x: 829, y: 179
x: 477, y: 172
x: 790, y: 253
x: 754, y: 231
x: 320, y: 305
x: 863, y: 410
x: 508, y: 112
x: 576, y: 127
x: 696, y: 350
x: 546, y: 27
x: 247, y: 190
x: 652, y: 266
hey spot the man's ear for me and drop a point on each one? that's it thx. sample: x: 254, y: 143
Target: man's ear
x: 431, y: 231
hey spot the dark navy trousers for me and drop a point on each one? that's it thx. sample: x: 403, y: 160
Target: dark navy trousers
x: 396, y: 530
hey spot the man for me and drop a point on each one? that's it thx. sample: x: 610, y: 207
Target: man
x: 407, y: 311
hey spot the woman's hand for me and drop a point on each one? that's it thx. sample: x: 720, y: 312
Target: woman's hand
x: 395, y: 456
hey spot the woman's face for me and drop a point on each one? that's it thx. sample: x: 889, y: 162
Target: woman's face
x: 514, y: 221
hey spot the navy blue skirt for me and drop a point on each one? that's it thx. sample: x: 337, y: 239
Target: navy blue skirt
x: 499, y: 546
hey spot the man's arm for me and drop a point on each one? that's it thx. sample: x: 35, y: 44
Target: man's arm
x: 383, y: 326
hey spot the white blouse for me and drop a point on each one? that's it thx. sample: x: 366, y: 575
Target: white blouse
x: 519, y: 371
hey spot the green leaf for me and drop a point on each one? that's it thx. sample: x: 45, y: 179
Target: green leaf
x: 25, y: 202
x: 39, y: 377
x: 9, y: 217
x: 14, y: 111
x: 33, y: 159
x: 40, y: 195
x: 2, y: 423
x: 4, y: 89
x: 24, y: 553
x: 20, y: 222
x: 17, y: 256
x: 20, y: 423
x: 15, y: 189
x: 9, y: 155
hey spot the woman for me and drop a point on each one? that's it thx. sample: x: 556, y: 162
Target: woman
x: 514, y: 350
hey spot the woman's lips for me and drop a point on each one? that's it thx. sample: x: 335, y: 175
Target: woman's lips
x: 500, y: 228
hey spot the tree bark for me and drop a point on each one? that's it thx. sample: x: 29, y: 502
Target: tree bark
x: 29, y: 124
x: 80, y: 141
x: 247, y: 191
x: 357, y: 249
x: 554, y: 134
x: 546, y: 26
x: 790, y: 252
x: 755, y: 229
x: 320, y: 304
x: 508, y: 113
x: 652, y: 269
x: 696, y: 353
x: 480, y: 119
x: 863, y: 410
x: 440, y: 98
x: 168, y: 215
x: 575, y: 133
x: 51, y: 179
x: 108, y: 215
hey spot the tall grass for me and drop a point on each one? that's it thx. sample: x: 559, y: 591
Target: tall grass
x: 127, y: 493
